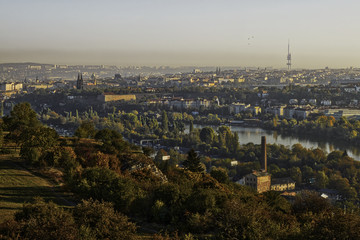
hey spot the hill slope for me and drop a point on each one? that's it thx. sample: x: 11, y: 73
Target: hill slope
x: 18, y: 185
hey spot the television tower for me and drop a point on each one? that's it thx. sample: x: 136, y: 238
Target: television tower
x: 289, y: 56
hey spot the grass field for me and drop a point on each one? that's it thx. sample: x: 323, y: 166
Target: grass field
x: 18, y: 185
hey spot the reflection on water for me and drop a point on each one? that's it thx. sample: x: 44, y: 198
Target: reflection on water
x: 275, y: 135
x: 247, y: 135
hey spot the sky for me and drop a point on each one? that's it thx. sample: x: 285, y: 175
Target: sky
x: 241, y: 33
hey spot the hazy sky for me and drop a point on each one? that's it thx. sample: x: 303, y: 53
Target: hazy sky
x: 182, y: 32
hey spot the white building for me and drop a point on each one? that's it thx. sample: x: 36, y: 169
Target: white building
x: 236, y: 108
x: 326, y: 102
x: 312, y: 101
x: 11, y: 86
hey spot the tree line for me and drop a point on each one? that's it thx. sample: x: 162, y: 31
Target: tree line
x: 121, y: 191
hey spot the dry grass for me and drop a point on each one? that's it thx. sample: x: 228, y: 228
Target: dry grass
x: 18, y: 185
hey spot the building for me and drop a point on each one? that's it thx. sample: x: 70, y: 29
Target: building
x: 276, y: 110
x: 33, y: 87
x: 326, y: 102
x: 110, y: 97
x: 282, y: 184
x: 263, y: 94
x: 255, y: 110
x: 11, y: 86
x: 331, y: 194
x: 289, y: 112
x: 302, y: 113
x: 6, y: 87
x: 234, y: 163
x: 260, y: 180
x: 236, y: 108
x: 312, y: 101
x: 343, y: 112
x: 293, y: 101
x: 181, y: 103
x: 80, y: 82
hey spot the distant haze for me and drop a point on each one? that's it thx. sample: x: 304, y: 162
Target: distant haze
x: 168, y: 32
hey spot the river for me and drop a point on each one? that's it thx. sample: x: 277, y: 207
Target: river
x: 247, y: 135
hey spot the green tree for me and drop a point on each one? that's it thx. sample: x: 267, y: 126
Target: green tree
x: 309, y: 201
x: 2, y: 109
x: 275, y: 121
x: 36, y: 143
x: 105, y: 184
x: 220, y: 174
x: 296, y: 174
x: 148, y: 151
x: 191, y: 129
x: 165, y: 122
x: 86, y: 130
x: 159, y: 156
x: 100, y: 221
x: 40, y: 220
x: 292, y: 122
x: 181, y: 126
x: 21, y: 117
x: 207, y: 135
x: 277, y: 202
x: 112, y: 141
x: 321, y: 180
x: 193, y: 162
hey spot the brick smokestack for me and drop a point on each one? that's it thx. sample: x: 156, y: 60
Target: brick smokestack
x: 263, y: 154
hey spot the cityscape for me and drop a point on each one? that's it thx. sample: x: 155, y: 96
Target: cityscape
x: 167, y: 120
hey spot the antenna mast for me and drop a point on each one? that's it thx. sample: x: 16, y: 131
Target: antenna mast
x: 289, y: 56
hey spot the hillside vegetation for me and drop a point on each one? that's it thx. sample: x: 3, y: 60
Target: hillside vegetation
x: 124, y: 194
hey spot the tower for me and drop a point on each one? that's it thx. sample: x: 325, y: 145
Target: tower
x: 80, y: 82
x: 260, y: 180
x: 263, y: 154
x: 289, y: 56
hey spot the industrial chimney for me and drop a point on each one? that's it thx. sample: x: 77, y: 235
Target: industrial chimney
x: 263, y: 154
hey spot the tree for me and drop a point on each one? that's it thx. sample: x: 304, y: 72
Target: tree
x: 207, y: 135
x: 36, y: 142
x: 284, y: 122
x: 295, y: 173
x: 159, y: 156
x: 105, y: 184
x: 292, y: 122
x: 321, y: 180
x: 181, y: 126
x: 148, y: 151
x: 165, y: 122
x: 220, y: 174
x: 21, y: 117
x: 1, y: 137
x: 343, y: 186
x: 191, y: 129
x: 100, y: 221
x: 193, y: 162
x: 275, y: 121
x: 113, y: 142
x: 2, y: 109
x: 86, y: 130
x: 237, y: 220
x: 40, y: 220
x: 309, y: 201
x: 277, y: 202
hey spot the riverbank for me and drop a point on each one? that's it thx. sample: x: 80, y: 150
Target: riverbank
x: 253, y: 135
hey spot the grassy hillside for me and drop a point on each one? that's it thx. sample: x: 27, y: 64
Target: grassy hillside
x: 18, y: 185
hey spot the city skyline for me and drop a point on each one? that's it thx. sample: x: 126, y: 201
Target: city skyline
x: 174, y: 33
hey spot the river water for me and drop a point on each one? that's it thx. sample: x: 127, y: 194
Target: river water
x: 247, y: 135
